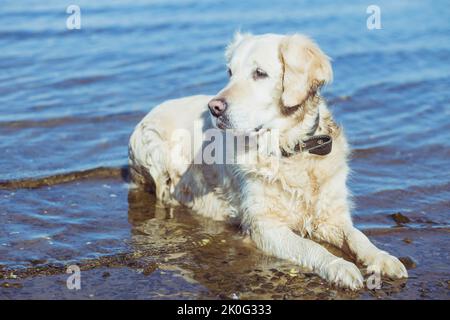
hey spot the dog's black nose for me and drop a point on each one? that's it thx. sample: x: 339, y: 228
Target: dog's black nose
x: 217, y: 106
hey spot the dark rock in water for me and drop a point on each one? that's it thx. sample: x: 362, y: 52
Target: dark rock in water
x: 407, y: 240
x: 148, y: 270
x: 400, y: 218
x: 408, y: 262
x: 106, y: 274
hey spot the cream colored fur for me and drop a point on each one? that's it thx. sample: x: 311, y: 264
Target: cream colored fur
x: 285, y: 208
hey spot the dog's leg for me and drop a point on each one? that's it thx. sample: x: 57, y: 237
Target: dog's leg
x: 375, y: 259
x: 347, y: 237
x: 279, y: 240
x: 149, y: 156
x: 337, y: 229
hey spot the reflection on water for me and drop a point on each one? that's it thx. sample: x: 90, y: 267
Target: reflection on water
x: 215, y: 255
x: 70, y: 99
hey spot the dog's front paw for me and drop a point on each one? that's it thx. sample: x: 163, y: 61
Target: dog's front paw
x: 344, y: 274
x: 387, y: 265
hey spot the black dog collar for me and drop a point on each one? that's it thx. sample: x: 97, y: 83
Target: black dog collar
x: 319, y: 145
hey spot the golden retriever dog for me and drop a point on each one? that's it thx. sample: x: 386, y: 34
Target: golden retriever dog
x: 288, y: 189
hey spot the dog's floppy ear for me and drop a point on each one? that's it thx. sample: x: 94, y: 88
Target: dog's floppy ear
x: 238, y: 37
x: 306, y: 69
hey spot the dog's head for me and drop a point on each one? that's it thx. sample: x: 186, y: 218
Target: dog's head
x: 269, y: 75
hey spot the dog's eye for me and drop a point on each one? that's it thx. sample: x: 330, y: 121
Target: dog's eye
x: 259, y: 74
x: 229, y: 72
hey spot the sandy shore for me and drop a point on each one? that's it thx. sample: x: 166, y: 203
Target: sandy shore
x: 186, y: 257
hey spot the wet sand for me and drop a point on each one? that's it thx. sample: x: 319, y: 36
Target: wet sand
x: 177, y: 255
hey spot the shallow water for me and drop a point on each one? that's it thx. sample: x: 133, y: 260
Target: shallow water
x: 70, y: 99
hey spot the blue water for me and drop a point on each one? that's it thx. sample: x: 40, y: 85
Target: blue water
x: 69, y: 99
